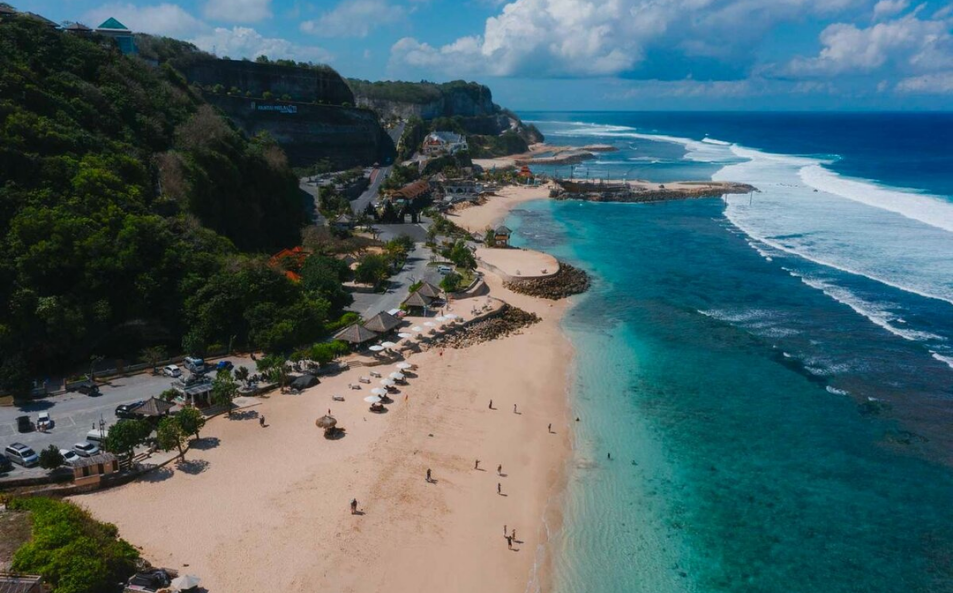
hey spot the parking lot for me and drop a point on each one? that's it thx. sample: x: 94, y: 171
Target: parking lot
x: 74, y: 414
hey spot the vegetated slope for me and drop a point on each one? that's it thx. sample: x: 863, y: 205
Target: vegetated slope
x: 121, y: 194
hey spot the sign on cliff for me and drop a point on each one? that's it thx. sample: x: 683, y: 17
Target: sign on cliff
x: 291, y: 109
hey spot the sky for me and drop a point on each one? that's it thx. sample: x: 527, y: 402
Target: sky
x: 587, y: 55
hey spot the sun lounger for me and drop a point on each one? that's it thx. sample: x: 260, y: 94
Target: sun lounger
x: 364, y: 380
x: 338, y: 398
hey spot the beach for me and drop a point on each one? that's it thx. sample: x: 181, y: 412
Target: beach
x: 266, y: 508
x: 477, y: 219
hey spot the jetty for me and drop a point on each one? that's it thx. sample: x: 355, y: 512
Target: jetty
x: 644, y: 191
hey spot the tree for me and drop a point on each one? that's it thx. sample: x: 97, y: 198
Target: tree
x: 191, y: 421
x: 451, y: 282
x: 151, y: 356
x: 372, y: 269
x: 241, y: 373
x: 51, y: 458
x: 224, y: 390
x: 169, y: 436
x: 461, y: 256
x: 123, y: 437
x: 169, y: 395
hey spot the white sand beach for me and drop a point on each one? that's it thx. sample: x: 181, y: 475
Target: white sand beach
x: 267, y: 508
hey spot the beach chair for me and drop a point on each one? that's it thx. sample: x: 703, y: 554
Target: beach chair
x: 375, y: 374
x: 364, y: 380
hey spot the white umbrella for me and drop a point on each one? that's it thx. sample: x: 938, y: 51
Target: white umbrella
x: 388, y: 344
x: 387, y: 382
x: 376, y: 348
x: 184, y: 583
x: 417, y: 328
x: 404, y: 335
x: 452, y: 316
x: 379, y: 391
x: 440, y: 318
x: 397, y: 376
x: 373, y: 399
x: 404, y: 366
x: 430, y: 324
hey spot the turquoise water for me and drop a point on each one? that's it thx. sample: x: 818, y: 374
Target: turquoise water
x: 735, y: 399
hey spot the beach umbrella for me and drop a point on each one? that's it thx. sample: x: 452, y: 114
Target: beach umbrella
x: 430, y: 324
x: 417, y: 328
x: 404, y: 335
x: 373, y: 399
x: 387, y: 382
x: 187, y: 582
x: 452, y: 316
x: 388, y: 344
x: 397, y: 376
x: 379, y: 391
x: 326, y: 422
x: 376, y: 348
x: 440, y: 319
x: 404, y: 366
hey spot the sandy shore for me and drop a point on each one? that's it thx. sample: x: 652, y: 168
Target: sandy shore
x: 266, y: 509
x: 476, y: 219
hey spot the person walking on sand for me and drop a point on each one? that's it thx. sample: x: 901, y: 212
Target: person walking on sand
x: 549, y: 428
x: 499, y: 470
x: 509, y: 542
x: 514, y: 409
x: 491, y: 405
x: 505, y: 531
x: 261, y: 420
x: 476, y: 464
x: 499, y: 488
x: 428, y: 475
x: 514, y: 535
x: 353, y: 506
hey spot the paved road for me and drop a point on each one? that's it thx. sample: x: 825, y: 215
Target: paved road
x: 377, y: 176
x: 416, y: 268
x: 75, y: 414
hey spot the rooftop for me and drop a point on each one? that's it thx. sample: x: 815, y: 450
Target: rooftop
x: 114, y: 25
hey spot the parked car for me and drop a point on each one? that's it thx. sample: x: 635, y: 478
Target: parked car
x: 69, y: 456
x: 43, y: 421
x: 97, y: 436
x: 24, y: 424
x: 149, y: 581
x: 5, y: 464
x: 196, y: 365
x: 224, y: 365
x: 87, y: 449
x: 89, y: 388
x: 444, y: 269
x: 126, y: 410
x: 172, y: 370
x: 22, y: 455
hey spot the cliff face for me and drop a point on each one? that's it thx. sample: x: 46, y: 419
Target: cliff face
x: 346, y: 136
x: 317, y: 84
x: 424, y: 99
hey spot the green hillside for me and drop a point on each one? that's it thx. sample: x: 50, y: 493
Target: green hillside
x: 122, y: 197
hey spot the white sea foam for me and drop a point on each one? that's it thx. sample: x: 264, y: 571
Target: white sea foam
x: 931, y: 210
x: 836, y: 391
x: 713, y: 141
x: 878, y: 313
x: 947, y: 360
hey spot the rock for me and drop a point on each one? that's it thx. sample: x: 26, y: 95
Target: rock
x: 566, y: 282
x: 510, y: 321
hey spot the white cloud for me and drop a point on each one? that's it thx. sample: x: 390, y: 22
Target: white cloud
x: 886, y: 8
x: 907, y: 43
x: 586, y: 38
x: 243, y: 42
x: 936, y: 83
x: 238, y: 11
x: 162, y: 19
x: 354, y: 18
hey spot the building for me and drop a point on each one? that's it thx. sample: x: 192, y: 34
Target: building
x: 501, y: 236
x: 342, y: 223
x: 444, y: 143
x: 290, y: 261
x: 412, y: 191
x: 7, y: 11
x: 90, y: 470
x: 78, y: 29
x: 123, y: 36
x: 21, y: 583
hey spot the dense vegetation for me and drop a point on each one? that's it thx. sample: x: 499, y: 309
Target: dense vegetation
x: 417, y: 93
x: 74, y: 552
x: 130, y: 212
x: 507, y: 143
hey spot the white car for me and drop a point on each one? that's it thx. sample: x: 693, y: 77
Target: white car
x: 172, y: 371
x: 69, y: 456
x: 86, y: 449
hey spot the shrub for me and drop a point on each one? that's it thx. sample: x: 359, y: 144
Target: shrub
x: 74, y: 552
x: 51, y: 458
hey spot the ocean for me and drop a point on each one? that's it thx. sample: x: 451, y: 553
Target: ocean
x: 771, y: 373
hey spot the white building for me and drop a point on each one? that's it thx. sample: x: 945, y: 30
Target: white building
x: 444, y: 142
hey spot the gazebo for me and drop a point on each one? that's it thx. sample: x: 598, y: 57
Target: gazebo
x: 153, y: 408
x: 428, y: 290
x: 356, y: 334
x: 417, y: 301
x: 381, y: 323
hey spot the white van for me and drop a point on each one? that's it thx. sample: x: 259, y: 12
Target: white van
x: 444, y: 269
x: 22, y: 455
x: 95, y: 436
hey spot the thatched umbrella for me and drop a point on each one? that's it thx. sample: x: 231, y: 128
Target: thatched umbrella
x: 428, y: 290
x: 381, y: 323
x: 326, y: 422
x: 417, y: 300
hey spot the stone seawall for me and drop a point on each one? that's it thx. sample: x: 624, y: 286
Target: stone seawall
x: 566, y: 282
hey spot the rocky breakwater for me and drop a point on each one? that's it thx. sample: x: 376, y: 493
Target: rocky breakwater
x: 509, y: 321
x: 645, y: 192
x: 566, y: 282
